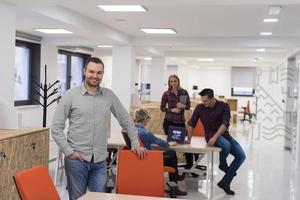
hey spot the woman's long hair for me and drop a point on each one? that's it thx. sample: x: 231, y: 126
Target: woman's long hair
x: 169, y: 83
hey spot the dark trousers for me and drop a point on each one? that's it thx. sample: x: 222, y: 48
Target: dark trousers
x: 188, y: 156
x: 170, y: 160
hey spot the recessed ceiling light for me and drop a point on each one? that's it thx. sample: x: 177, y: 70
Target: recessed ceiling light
x: 265, y: 33
x: 158, y: 30
x: 104, y: 46
x: 271, y: 20
x: 206, y: 59
x: 274, y: 10
x: 123, y: 8
x: 120, y: 20
x: 53, y: 30
x: 260, y: 50
x: 147, y: 58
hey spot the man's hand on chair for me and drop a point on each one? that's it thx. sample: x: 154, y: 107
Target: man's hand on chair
x: 140, y: 151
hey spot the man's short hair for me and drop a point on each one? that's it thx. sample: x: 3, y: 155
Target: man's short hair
x: 94, y: 60
x: 207, y: 92
x: 141, y: 114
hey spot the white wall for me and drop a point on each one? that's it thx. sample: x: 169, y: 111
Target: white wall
x: 217, y: 78
x: 7, y: 52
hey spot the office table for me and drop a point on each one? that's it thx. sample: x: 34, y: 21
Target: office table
x: 197, y: 145
x: 112, y: 196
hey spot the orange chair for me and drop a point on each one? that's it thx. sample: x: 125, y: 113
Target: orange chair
x: 128, y: 146
x: 199, y: 129
x: 246, y: 112
x: 141, y: 177
x: 35, y: 184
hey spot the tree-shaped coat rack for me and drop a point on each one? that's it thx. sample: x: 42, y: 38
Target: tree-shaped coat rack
x: 45, y: 95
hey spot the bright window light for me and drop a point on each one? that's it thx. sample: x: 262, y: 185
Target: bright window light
x: 159, y: 30
x: 260, y: 50
x: 147, y: 58
x: 53, y: 30
x: 104, y: 46
x: 265, y: 33
x: 270, y: 20
x: 205, y: 59
x: 122, y: 8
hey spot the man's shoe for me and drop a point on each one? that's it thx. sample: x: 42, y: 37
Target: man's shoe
x: 181, y: 193
x: 226, y: 188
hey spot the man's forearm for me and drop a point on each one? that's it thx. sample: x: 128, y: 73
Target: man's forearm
x: 220, y: 131
x: 190, y: 132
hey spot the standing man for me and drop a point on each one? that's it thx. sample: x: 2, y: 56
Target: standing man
x: 88, y: 108
x: 215, y: 116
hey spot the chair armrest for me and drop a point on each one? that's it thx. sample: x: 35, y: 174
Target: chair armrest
x: 169, y: 169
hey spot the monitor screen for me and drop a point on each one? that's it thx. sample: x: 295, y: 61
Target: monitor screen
x: 242, y: 91
x: 176, y: 134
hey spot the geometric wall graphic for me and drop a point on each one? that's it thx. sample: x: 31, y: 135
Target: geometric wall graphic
x: 276, y: 93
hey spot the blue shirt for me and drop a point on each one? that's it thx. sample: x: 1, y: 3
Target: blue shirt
x: 147, y: 138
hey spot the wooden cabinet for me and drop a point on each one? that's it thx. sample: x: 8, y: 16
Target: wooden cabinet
x: 233, y: 104
x: 20, y: 149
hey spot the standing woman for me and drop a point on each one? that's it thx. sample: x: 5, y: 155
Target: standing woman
x: 174, y: 101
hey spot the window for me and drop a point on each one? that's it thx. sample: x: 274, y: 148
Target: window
x: 243, y: 81
x: 27, y: 70
x: 70, y: 69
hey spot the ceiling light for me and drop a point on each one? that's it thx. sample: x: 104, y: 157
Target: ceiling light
x: 260, y: 50
x: 53, y: 30
x: 205, y: 59
x: 123, y: 8
x: 274, y: 10
x: 158, y: 30
x: 147, y: 58
x: 104, y: 46
x: 271, y: 20
x: 265, y: 33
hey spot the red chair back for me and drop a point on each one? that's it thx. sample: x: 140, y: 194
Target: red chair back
x: 140, y: 177
x: 35, y: 184
x: 199, y: 129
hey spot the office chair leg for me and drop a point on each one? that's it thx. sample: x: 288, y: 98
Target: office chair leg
x: 173, y: 187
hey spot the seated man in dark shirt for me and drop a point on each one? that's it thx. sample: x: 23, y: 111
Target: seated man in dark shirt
x: 215, y: 116
x: 147, y: 138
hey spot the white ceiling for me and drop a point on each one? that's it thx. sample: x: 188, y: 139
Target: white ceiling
x: 227, y: 31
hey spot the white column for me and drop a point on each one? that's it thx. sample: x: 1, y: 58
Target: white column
x: 158, y: 79
x: 7, y: 52
x: 123, y: 66
x: 297, y: 153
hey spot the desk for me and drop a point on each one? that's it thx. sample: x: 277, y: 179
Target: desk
x: 112, y: 196
x: 198, y: 145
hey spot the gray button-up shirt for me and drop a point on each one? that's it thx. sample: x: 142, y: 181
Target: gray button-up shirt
x: 89, y: 121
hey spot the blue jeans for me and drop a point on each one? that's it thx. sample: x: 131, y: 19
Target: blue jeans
x: 83, y: 175
x: 230, y: 146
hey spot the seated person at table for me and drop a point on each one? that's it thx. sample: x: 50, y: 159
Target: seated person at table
x: 147, y: 138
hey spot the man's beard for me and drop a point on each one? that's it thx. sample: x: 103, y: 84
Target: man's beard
x: 90, y: 84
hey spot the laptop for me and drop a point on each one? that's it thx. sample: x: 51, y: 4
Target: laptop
x: 177, y: 134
